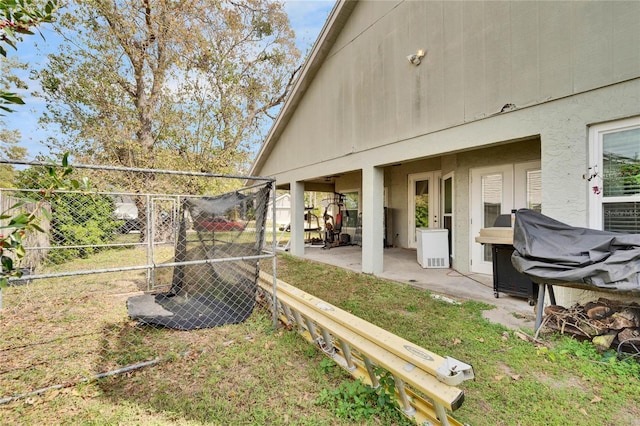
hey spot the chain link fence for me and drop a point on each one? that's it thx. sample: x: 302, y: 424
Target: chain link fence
x: 117, y: 270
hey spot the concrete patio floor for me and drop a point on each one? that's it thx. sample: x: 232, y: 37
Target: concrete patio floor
x: 401, y: 265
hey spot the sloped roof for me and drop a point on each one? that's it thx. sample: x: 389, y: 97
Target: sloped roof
x: 321, y: 48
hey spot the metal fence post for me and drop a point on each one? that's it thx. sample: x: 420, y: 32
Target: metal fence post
x: 274, y: 260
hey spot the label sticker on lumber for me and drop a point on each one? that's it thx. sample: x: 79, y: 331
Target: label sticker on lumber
x: 324, y: 306
x: 418, y: 352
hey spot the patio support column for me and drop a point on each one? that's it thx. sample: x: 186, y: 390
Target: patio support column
x: 297, y: 219
x: 372, y: 220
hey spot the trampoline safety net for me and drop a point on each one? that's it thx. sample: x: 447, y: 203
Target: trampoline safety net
x: 215, y: 271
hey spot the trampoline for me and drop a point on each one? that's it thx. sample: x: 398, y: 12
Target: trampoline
x: 215, y: 273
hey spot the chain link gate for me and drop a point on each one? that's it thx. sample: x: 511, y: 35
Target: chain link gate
x: 121, y: 264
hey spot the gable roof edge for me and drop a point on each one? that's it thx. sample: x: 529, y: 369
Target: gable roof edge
x: 321, y: 48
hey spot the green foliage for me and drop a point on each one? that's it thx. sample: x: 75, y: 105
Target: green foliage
x: 19, y: 17
x: 81, y: 221
x: 630, y: 174
x: 352, y: 400
x: 10, y: 149
x: 22, y: 220
x: 516, y: 382
x: 327, y: 365
x: 387, y: 390
x: 78, y: 219
x: 608, y: 361
x: 122, y: 93
x: 356, y: 401
x: 422, y: 211
x: 9, y: 98
x: 412, y: 308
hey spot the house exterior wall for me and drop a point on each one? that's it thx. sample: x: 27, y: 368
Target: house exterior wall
x: 283, y: 210
x: 349, y: 181
x: 480, y: 56
x: 557, y: 67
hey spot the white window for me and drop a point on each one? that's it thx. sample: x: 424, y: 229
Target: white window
x: 351, y: 208
x: 614, y: 176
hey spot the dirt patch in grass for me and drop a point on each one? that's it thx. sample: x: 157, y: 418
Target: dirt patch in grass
x: 562, y: 382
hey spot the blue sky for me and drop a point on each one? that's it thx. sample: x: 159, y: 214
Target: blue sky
x: 306, y: 16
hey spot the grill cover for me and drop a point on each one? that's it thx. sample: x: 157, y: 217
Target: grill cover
x: 553, y: 252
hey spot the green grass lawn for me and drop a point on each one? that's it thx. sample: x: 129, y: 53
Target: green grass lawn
x: 58, y: 331
x: 560, y: 382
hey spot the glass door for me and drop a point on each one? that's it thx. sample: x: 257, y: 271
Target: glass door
x: 495, y: 191
x: 447, y: 203
x: 424, y: 203
x: 491, y: 196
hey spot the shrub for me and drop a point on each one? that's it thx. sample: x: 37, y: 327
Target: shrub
x: 79, y: 220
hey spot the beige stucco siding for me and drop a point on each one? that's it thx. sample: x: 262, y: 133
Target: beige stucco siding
x: 480, y: 57
x: 497, y: 75
x: 563, y: 151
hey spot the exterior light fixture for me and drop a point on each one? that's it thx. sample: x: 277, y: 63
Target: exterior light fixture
x: 416, y: 58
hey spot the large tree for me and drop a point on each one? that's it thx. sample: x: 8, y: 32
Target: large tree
x: 168, y: 84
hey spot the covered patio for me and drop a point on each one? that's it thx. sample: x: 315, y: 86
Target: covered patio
x: 401, y: 265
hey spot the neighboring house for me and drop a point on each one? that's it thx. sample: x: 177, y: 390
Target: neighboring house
x: 283, y: 210
x: 514, y: 104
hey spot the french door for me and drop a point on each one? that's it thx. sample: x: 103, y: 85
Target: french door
x: 491, y: 196
x: 497, y: 190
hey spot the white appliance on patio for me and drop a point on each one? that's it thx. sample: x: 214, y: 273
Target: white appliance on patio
x: 433, y: 247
